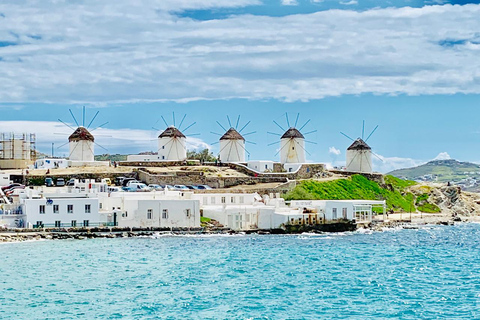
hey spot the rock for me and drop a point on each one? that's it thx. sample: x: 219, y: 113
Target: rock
x: 457, y: 219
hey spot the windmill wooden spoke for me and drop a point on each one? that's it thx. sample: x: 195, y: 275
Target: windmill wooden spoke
x: 83, y: 120
x: 376, y: 155
x: 310, y: 132
x: 223, y: 148
x: 250, y: 142
x: 304, y: 125
x: 346, y: 136
x: 278, y: 125
x: 188, y: 127
x: 245, y: 150
x: 221, y: 126
x: 371, y: 133
x: 244, y: 126
x: 99, y: 126
x: 173, y: 116
x: 230, y: 151
x: 307, y: 141
x: 275, y: 134
x: 63, y: 145
x: 93, y: 119
x: 180, y: 125
x: 298, y: 143
x: 101, y: 146
x: 288, y: 122
x: 165, y: 121
x: 74, y: 119
x: 218, y: 134
x: 170, y: 150
x: 296, y: 120
x: 270, y: 144
x: 66, y: 124
x: 74, y: 148
x: 236, y: 149
x: 246, y: 134
x: 351, y: 161
x: 229, y: 123
x: 363, y: 129
x: 286, y: 144
x: 156, y: 129
x: 238, y: 120
x: 214, y: 143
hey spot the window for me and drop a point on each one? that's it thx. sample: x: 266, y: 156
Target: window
x: 39, y: 224
x: 188, y: 213
x: 205, y: 200
x: 74, y: 223
x: 149, y: 214
x: 100, y: 205
x: 242, y: 199
x: 165, y: 214
x: 70, y: 208
x: 87, y: 208
x: 223, y: 200
x: 334, y: 213
x: 212, y: 200
x: 58, y: 224
x: 232, y: 200
x: 56, y: 208
x: 41, y: 209
x: 85, y: 223
x: 266, y: 166
x: 344, y: 213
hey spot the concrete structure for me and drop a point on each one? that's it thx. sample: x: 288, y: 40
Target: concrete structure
x: 17, y: 151
x: 50, y: 163
x: 359, y: 157
x: 5, y: 179
x: 292, y: 147
x: 261, y: 165
x: 232, y: 147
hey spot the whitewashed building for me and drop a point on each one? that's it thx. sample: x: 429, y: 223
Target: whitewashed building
x: 261, y: 165
x: 232, y: 147
x: 359, y: 157
x: 292, y: 147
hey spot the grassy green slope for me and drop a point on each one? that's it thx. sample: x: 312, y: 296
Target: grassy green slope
x: 359, y: 187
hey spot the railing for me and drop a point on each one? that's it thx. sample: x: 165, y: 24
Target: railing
x: 11, y: 210
x: 78, y: 225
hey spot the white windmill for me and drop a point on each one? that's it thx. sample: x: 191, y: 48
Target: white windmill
x: 172, y: 143
x: 81, y: 141
x: 232, y: 143
x: 359, y: 153
x: 292, y: 142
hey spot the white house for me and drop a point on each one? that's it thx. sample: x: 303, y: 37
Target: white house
x: 359, y: 157
x: 292, y: 147
x: 261, y: 165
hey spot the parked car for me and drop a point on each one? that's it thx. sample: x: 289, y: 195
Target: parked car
x: 60, y: 182
x: 119, y: 181
x: 114, y: 189
x: 137, y: 187
x: 71, y: 182
x: 12, y: 189
x: 107, y: 181
x: 169, y: 187
x: 11, y: 185
x: 126, y: 181
x: 192, y: 187
x: 155, y: 187
x: 180, y: 187
x: 204, y: 187
x: 49, y: 182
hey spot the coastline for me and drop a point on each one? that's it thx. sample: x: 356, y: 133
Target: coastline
x: 397, y: 220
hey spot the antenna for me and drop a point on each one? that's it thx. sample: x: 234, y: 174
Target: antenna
x: 74, y: 119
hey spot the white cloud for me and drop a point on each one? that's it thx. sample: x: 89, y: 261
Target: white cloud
x: 114, y: 140
x: 67, y: 52
x: 386, y: 164
x: 289, y: 2
x: 349, y: 3
x: 334, y: 151
x: 443, y: 156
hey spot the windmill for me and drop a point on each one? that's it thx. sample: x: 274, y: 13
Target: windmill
x: 172, y: 142
x: 359, y: 153
x: 81, y: 141
x: 232, y: 142
x: 292, y: 141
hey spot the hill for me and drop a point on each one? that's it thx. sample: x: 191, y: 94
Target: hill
x: 463, y: 174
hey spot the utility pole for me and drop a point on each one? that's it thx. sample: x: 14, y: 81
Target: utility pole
x: 53, y: 144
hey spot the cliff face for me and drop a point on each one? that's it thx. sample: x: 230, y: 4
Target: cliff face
x: 450, y: 199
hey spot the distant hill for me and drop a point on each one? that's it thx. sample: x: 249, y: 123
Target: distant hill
x: 464, y: 174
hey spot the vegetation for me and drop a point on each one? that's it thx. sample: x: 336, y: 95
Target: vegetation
x: 357, y: 187
x: 111, y: 157
x: 424, y: 206
x: 204, y: 156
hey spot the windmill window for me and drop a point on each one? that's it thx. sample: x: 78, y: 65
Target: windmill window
x: 163, y: 157
x: 293, y: 148
x: 163, y: 147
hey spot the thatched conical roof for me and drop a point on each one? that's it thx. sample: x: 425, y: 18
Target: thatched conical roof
x: 359, y: 144
x: 81, y: 134
x: 172, y: 132
x: 232, y: 134
x: 292, y: 133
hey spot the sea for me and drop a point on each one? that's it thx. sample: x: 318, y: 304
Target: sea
x: 432, y: 272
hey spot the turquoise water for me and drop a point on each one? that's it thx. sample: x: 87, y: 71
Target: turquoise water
x: 430, y: 273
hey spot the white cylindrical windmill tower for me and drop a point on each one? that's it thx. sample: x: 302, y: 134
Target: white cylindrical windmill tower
x: 81, y: 143
x: 172, y: 145
x: 359, y: 157
x: 292, y: 147
x: 232, y: 146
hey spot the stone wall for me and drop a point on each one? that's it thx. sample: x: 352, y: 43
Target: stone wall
x: 306, y: 171
x: 377, y: 177
x: 158, y: 163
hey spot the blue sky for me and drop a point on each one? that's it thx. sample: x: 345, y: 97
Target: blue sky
x: 411, y: 67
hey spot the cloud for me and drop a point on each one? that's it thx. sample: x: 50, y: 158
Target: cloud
x: 349, y: 3
x: 125, y: 141
x: 91, y: 52
x: 386, y: 164
x: 442, y: 156
x: 289, y: 2
x: 334, y: 151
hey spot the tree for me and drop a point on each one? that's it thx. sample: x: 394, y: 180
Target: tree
x: 204, y: 156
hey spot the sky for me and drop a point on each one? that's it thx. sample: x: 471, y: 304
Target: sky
x: 410, y: 67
